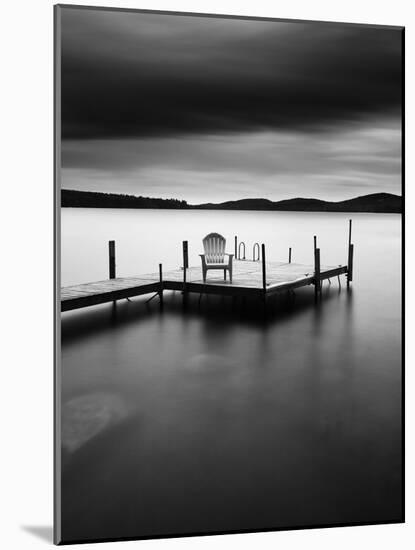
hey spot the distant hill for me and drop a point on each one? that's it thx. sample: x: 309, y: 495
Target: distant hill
x: 91, y: 199
x: 376, y: 202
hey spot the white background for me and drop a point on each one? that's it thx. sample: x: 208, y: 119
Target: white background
x: 26, y: 78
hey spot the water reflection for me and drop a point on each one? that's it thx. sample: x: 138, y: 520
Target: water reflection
x: 214, y: 417
x: 85, y: 416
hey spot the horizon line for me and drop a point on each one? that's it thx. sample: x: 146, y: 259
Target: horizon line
x: 230, y: 200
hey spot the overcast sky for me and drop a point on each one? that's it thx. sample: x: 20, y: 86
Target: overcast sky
x: 213, y: 109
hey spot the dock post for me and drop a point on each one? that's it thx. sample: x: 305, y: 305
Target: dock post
x: 264, y: 281
x: 350, y: 257
x: 289, y: 255
x: 350, y: 266
x: 264, y: 273
x: 111, y: 251
x: 236, y: 247
x: 185, y: 262
x: 317, y: 282
x: 161, y: 284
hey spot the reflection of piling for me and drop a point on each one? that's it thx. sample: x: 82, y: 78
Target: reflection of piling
x: 317, y: 269
x: 289, y: 255
x: 185, y: 267
x: 111, y: 258
x: 185, y: 262
x: 264, y: 271
x: 264, y: 280
x: 350, y: 257
x: 161, y: 284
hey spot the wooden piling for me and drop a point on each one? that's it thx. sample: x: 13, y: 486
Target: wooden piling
x: 350, y: 252
x: 264, y: 282
x: 111, y: 253
x: 317, y: 269
x: 289, y: 255
x: 185, y: 261
x: 350, y: 265
x: 161, y: 283
x: 236, y: 247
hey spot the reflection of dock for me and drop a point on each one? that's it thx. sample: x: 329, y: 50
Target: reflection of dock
x: 255, y: 277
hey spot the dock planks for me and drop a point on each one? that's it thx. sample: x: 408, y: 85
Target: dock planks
x: 100, y: 292
x: 247, y: 281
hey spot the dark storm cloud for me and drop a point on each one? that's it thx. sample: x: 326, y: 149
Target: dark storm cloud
x: 355, y: 160
x: 134, y: 74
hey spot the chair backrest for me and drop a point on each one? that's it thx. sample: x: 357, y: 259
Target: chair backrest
x: 214, y: 245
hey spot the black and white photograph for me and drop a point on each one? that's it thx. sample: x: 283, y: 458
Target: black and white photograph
x: 229, y: 274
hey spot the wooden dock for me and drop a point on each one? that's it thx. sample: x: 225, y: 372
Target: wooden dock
x: 247, y: 281
x: 256, y: 277
x: 100, y: 292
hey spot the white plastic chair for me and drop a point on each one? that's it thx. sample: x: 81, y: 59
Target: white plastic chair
x: 214, y: 256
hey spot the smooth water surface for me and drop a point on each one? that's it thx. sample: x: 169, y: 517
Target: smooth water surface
x: 206, y: 418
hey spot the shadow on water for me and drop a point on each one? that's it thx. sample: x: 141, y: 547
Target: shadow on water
x: 211, y: 416
x: 222, y: 310
x: 212, y: 407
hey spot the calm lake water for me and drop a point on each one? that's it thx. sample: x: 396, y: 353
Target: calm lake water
x: 212, y: 419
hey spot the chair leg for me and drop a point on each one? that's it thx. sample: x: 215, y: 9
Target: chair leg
x: 224, y: 274
x: 204, y: 274
x: 230, y: 274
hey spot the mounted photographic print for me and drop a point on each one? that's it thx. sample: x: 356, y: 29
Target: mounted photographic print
x: 229, y: 203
